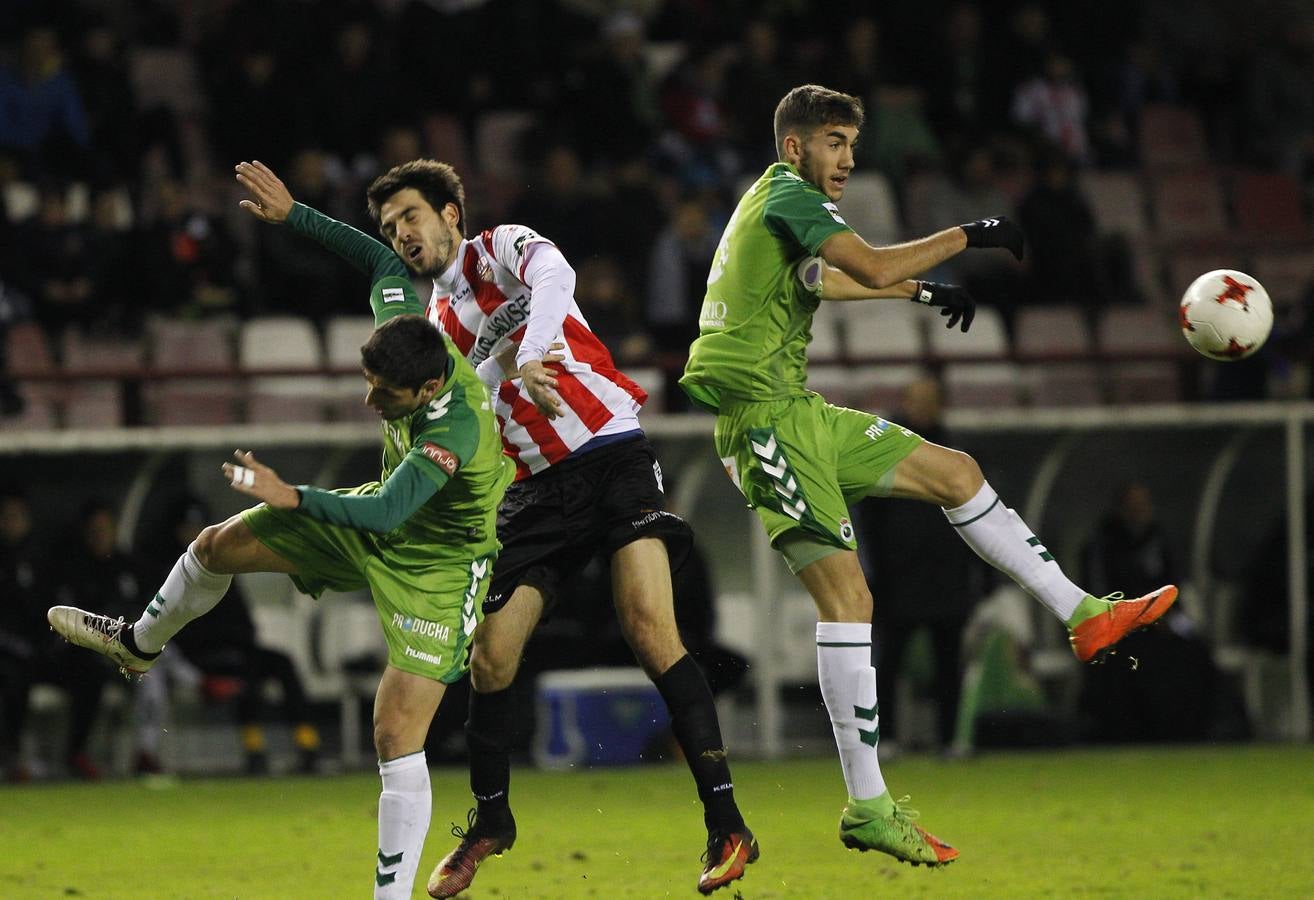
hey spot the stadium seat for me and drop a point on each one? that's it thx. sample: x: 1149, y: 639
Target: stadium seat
x: 1268, y: 206
x: 1145, y: 330
x: 919, y: 193
x: 1287, y: 276
x: 1189, y: 204
x: 282, y: 342
x: 183, y: 346
x: 343, y: 337
x: 97, y: 402
x: 497, y: 142
x: 882, y: 330
x: 1051, y: 331
x: 871, y: 209
x: 987, y: 339
x: 876, y: 389
x: 1118, y: 201
x: 1064, y: 384
x: 40, y: 411
x: 1171, y: 137
x: 983, y: 384
x: 27, y: 350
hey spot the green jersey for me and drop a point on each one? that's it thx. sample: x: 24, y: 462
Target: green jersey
x: 447, y: 456
x: 756, y: 319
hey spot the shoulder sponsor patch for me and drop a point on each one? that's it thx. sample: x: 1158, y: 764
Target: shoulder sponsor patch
x: 440, y: 456
x: 834, y: 213
x: 394, y: 295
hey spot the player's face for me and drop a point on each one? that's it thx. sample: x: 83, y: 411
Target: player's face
x: 426, y: 239
x: 825, y: 158
x: 391, y: 401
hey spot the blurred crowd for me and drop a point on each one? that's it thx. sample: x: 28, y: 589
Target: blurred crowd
x: 621, y: 130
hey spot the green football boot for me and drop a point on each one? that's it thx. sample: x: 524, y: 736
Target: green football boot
x: 884, y: 825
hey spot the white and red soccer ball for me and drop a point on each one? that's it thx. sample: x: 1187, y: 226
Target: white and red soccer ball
x: 1226, y: 314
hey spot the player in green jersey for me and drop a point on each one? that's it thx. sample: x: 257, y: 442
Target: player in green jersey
x: 422, y: 539
x: 799, y: 461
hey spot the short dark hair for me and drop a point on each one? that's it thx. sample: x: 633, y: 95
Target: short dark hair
x: 406, y: 351
x: 436, y: 181
x: 811, y: 106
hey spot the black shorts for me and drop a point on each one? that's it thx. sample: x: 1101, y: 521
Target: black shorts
x: 551, y: 524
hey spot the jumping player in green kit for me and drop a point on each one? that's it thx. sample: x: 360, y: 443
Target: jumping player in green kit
x: 422, y: 539
x: 800, y: 461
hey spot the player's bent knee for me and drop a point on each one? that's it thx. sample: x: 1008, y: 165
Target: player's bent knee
x: 488, y: 673
x: 208, y: 547
x: 964, y: 480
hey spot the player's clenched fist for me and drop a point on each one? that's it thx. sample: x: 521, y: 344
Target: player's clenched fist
x: 996, y: 231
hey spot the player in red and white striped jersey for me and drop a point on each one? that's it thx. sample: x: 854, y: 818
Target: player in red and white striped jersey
x: 587, y: 482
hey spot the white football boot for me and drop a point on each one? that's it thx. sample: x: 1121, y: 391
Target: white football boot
x: 99, y: 633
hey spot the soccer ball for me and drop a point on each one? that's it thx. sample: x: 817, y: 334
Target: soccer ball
x: 1226, y: 314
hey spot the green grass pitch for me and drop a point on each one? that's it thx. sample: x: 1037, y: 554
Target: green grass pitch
x: 1145, y: 823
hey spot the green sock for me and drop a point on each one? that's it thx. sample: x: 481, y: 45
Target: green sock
x: 876, y: 808
x: 1089, y: 606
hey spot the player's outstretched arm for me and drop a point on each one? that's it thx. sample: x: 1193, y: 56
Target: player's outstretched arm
x: 884, y: 267
x: 405, y: 491
x: 832, y: 284
x: 272, y: 202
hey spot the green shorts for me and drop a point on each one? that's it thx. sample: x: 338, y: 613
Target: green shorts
x: 800, y: 462
x: 428, y: 609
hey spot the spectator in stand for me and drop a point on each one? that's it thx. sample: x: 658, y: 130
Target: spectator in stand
x: 91, y: 569
x: 898, y: 138
x: 957, y: 74
x: 25, y: 639
x: 758, y: 74
x: 678, y: 274
x: 295, y: 276
x: 58, y: 265
x: 1055, y: 106
x: 922, y: 576
x: 42, y: 119
x: 560, y: 204
x: 861, y: 65
x: 224, y: 646
x: 1060, y: 226
x: 186, y: 255
x: 696, y: 142
x: 354, y: 99
x: 255, y: 101
x: 612, y: 96
x: 608, y: 304
x: 639, y: 197
x: 1177, y: 695
x: 1281, y: 102
x: 111, y: 110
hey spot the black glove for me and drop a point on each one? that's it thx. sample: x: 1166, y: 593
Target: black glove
x: 996, y: 231
x: 954, y: 302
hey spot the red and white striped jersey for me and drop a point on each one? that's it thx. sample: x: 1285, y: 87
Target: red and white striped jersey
x: 483, y: 303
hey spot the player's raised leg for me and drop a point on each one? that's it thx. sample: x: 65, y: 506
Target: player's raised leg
x: 872, y: 820
x: 1000, y: 537
x: 490, y: 828
x: 403, y: 709
x: 198, y: 580
x: 641, y: 586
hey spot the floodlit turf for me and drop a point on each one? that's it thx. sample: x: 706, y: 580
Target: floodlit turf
x: 1153, y: 823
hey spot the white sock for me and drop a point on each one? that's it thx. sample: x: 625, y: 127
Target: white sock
x: 190, y: 591
x: 1001, y: 538
x: 848, y: 685
x: 404, y: 809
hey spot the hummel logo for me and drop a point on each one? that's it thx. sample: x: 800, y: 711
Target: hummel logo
x: 989, y: 223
